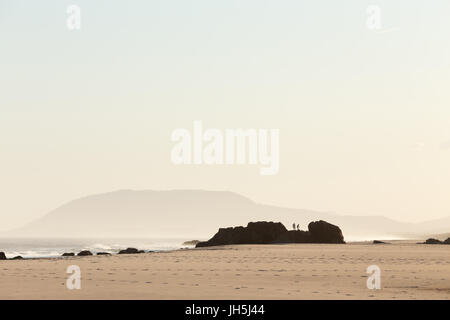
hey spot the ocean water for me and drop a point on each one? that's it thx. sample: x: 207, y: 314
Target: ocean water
x: 52, y: 248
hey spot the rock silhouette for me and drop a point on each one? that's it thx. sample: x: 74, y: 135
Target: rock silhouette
x: 17, y: 258
x: 2, y: 256
x: 130, y: 251
x: 433, y: 241
x: 84, y: 253
x: 275, y: 232
x: 324, y: 232
x: 294, y: 236
x: 254, y: 233
x: 436, y: 241
x: 68, y: 254
x: 103, y: 253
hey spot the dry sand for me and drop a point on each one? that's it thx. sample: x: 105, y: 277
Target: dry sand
x: 294, y: 271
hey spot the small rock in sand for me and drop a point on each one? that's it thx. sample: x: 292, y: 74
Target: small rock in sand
x: 68, y: 254
x: 84, y: 253
x: 130, y: 251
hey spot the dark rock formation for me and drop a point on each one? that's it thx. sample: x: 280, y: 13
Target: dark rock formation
x: 433, y: 241
x: 379, y: 242
x: 103, y: 254
x: 84, y: 253
x: 270, y: 232
x: 17, y: 258
x: 436, y: 241
x: 294, y: 236
x: 68, y: 254
x: 2, y: 256
x: 324, y: 232
x: 130, y: 251
x: 254, y: 233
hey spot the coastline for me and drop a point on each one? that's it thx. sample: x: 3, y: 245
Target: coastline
x: 29, y: 248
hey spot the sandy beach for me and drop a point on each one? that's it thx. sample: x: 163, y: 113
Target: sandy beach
x: 292, y: 271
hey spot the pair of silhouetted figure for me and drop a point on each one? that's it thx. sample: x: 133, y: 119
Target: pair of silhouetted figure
x: 293, y: 227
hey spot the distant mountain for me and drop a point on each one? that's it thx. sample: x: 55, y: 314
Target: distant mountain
x: 197, y: 213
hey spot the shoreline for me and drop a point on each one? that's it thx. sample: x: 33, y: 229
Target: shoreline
x: 61, y: 257
x: 95, y: 253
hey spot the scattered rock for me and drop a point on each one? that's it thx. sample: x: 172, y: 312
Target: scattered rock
x: 436, y: 241
x: 2, y: 256
x: 103, y: 253
x: 68, y: 254
x: 275, y: 232
x: 84, y: 253
x: 433, y: 241
x: 17, y: 258
x: 191, y: 243
x: 130, y: 251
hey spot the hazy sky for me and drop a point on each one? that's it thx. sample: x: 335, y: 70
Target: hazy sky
x: 364, y: 115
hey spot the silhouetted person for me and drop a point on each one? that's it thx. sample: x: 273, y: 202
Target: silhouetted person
x: 298, y: 227
x: 293, y: 226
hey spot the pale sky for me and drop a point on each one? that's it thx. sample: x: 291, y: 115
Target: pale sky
x: 364, y: 115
